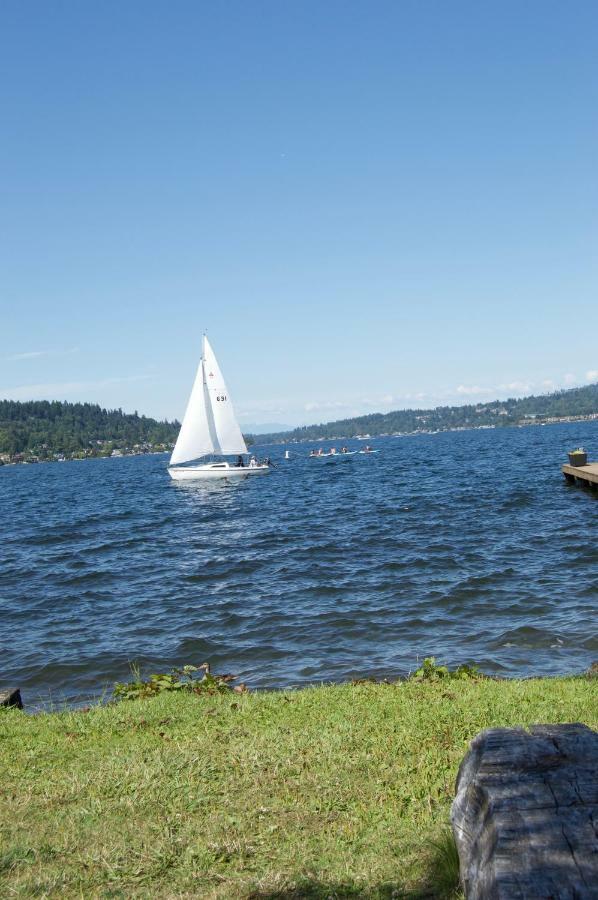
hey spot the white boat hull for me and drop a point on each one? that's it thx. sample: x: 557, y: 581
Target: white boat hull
x: 215, y: 470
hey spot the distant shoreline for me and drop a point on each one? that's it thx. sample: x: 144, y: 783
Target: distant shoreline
x: 38, y: 431
x: 565, y: 420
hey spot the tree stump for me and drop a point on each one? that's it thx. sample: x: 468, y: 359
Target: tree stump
x: 525, y: 815
x: 11, y: 697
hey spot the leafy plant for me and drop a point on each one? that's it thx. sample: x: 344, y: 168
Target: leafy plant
x: 178, y: 679
x: 429, y: 671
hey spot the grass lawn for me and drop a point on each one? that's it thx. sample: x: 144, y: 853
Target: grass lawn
x: 339, y: 791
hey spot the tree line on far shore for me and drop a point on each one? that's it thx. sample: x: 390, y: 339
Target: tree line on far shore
x: 48, y: 427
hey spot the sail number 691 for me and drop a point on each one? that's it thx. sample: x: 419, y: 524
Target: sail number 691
x: 221, y: 397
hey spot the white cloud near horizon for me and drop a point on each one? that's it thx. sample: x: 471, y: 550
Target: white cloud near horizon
x: 312, y: 412
x: 472, y: 390
x: 35, y: 354
x: 514, y: 387
x: 519, y: 387
x: 32, y: 354
x: 327, y: 404
x: 64, y: 389
x: 291, y: 411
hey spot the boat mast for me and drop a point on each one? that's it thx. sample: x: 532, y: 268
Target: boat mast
x: 216, y: 448
x: 202, y: 362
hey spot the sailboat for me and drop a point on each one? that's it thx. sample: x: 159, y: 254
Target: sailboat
x: 210, y: 429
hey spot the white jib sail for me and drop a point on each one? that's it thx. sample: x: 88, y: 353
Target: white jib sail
x: 228, y: 437
x: 195, y: 436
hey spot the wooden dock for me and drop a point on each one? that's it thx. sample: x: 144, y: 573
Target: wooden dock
x: 587, y: 474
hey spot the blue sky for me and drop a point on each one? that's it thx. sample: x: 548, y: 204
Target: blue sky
x: 367, y: 205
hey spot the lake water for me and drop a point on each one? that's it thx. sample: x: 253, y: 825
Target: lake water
x: 468, y: 546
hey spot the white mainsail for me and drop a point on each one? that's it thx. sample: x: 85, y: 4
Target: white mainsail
x: 209, y: 424
x: 228, y: 437
x: 194, y: 438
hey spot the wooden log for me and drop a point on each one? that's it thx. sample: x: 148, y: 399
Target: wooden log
x: 525, y: 815
x: 11, y: 697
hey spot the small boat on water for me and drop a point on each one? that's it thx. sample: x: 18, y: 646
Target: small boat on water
x: 320, y: 454
x: 210, y: 429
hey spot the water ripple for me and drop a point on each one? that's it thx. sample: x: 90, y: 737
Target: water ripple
x: 326, y: 570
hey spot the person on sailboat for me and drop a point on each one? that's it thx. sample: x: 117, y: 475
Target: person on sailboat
x: 239, y: 464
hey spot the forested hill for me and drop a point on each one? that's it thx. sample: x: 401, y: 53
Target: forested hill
x: 563, y: 404
x: 47, y: 427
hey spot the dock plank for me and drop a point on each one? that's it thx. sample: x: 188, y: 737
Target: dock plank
x: 588, y: 473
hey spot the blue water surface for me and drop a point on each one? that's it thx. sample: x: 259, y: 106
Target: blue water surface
x: 468, y: 546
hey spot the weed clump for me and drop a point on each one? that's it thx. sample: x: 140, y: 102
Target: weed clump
x: 429, y: 671
x: 182, y: 679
